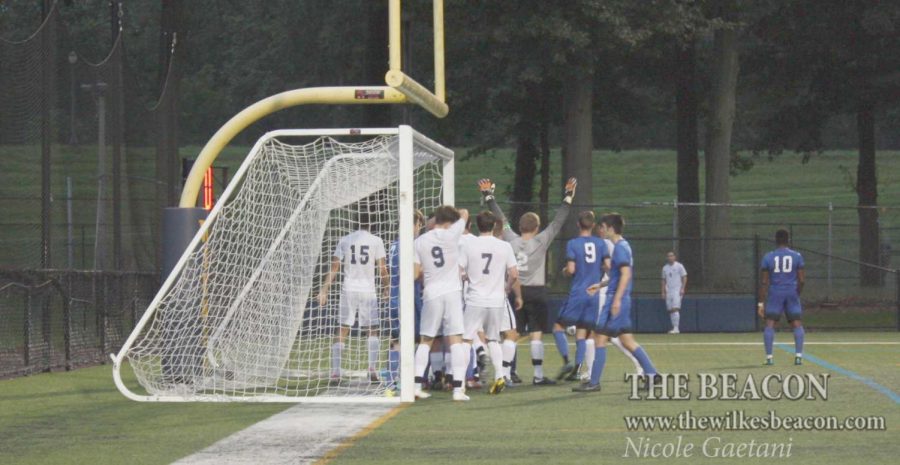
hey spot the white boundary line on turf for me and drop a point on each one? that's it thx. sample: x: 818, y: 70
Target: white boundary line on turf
x: 834, y: 343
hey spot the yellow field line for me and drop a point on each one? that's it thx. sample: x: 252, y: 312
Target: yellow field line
x: 347, y: 443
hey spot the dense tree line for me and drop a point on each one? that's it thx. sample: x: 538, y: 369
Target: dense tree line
x: 724, y: 78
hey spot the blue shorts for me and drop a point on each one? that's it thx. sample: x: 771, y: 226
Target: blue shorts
x: 394, y: 306
x: 783, y: 302
x: 614, y: 326
x: 581, y: 311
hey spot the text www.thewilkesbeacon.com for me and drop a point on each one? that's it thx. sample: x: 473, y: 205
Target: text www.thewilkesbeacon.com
x: 737, y: 420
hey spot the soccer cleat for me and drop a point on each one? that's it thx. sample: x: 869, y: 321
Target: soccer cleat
x: 509, y: 383
x: 420, y: 394
x: 459, y: 396
x: 335, y: 381
x: 473, y: 384
x: 566, y: 370
x: 543, y: 382
x: 674, y: 331
x: 498, y: 386
x: 514, y: 377
x: 573, y: 375
x: 769, y: 361
x: 798, y: 360
x: 587, y: 387
x: 373, y: 377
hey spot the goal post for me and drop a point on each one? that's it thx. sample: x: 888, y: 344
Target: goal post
x: 239, y: 318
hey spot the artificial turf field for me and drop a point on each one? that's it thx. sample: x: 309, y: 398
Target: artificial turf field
x: 79, y: 417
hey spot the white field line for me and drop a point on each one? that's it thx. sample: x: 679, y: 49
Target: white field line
x: 299, y: 435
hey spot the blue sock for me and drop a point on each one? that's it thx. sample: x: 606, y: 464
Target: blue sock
x: 644, y: 360
x: 562, y: 345
x: 798, y: 339
x: 769, y: 339
x: 470, y: 370
x: 599, y: 362
x: 393, y: 365
x: 580, y: 347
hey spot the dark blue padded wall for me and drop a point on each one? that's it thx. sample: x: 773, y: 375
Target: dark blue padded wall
x: 705, y: 314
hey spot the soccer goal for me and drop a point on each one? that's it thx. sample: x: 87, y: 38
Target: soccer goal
x: 239, y: 318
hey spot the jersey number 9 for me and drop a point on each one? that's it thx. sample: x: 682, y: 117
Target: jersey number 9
x: 438, y: 254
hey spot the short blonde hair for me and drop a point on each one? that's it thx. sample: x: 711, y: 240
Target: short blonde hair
x: 529, y: 222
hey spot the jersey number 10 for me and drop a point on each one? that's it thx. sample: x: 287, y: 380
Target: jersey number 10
x: 783, y: 264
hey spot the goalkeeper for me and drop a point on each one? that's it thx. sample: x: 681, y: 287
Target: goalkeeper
x: 531, y: 257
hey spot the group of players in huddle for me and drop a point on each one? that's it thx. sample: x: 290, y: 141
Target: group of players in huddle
x: 477, y: 293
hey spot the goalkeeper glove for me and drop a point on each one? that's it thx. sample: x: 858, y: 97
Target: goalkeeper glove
x: 569, y: 194
x: 487, y: 189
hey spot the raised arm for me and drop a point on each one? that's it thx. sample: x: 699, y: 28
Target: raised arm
x: 486, y: 186
x: 547, y: 235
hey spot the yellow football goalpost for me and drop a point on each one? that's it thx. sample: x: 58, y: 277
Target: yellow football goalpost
x: 400, y: 88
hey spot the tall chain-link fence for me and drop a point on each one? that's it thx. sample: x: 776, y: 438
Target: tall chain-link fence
x: 841, y: 290
x: 89, y: 153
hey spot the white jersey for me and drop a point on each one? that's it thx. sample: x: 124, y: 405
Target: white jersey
x: 437, y: 251
x: 463, y: 240
x: 486, y: 260
x: 672, y: 275
x: 358, y: 252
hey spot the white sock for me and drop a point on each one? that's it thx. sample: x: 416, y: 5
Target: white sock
x: 374, y: 347
x: 437, y: 361
x: 448, y: 363
x: 675, y: 317
x: 459, y: 359
x: 537, y: 358
x: 637, y: 365
x: 509, y: 352
x: 588, y: 354
x: 336, y: 350
x: 496, y: 354
x: 421, y: 362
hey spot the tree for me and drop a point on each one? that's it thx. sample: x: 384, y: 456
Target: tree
x: 823, y: 62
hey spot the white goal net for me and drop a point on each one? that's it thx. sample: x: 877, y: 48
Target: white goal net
x: 240, y: 316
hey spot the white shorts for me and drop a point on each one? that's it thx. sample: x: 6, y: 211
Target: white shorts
x: 442, y: 314
x: 673, y: 300
x: 363, y: 303
x: 507, y: 319
x: 487, y: 319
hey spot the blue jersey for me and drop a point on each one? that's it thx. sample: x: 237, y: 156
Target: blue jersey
x: 394, y: 271
x: 588, y: 253
x: 621, y: 256
x: 782, y: 265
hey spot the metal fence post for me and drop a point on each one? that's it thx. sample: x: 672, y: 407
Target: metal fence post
x: 101, y: 311
x: 67, y: 319
x: 897, y: 279
x: 27, y: 340
x: 755, y: 277
x: 675, y: 225
x: 830, y: 238
x: 70, y: 240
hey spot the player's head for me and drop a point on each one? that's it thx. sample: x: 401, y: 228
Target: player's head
x: 586, y: 221
x: 670, y: 257
x: 614, y: 224
x: 445, y: 215
x: 498, y: 228
x: 486, y: 221
x: 419, y: 222
x: 782, y: 238
x: 529, y: 223
x: 364, y: 220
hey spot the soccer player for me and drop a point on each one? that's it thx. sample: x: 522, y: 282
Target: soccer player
x: 674, y: 283
x: 782, y: 280
x: 615, y: 317
x: 531, y: 256
x: 490, y: 265
x: 437, y: 263
x: 394, y: 303
x: 586, y: 259
x: 359, y: 254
